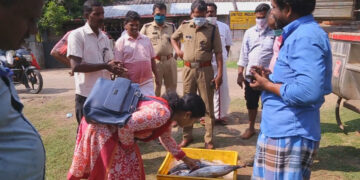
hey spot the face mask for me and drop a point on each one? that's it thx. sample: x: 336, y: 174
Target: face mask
x: 199, y: 21
x: 261, y: 23
x: 212, y: 20
x: 278, y: 32
x: 160, y: 19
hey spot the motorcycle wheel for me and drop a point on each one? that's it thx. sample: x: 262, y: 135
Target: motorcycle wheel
x: 35, y: 81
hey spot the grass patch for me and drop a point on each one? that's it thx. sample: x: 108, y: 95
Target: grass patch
x: 231, y: 64
x: 180, y: 63
x: 338, y: 156
x: 58, y: 133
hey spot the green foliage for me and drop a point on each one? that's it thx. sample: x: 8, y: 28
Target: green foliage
x: 57, y: 12
x: 53, y: 18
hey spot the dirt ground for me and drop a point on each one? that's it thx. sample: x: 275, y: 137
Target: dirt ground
x: 58, y: 83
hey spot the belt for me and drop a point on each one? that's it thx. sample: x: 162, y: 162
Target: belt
x: 162, y: 58
x: 199, y: 64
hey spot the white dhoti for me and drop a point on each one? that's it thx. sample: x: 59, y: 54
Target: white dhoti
x: 221, y: 96
x: 147, y: 88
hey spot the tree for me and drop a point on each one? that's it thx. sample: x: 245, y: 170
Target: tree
x: 54, y: 16
x: 57, y: 12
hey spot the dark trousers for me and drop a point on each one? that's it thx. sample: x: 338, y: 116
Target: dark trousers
x: 251, y: 96
x: 79, y: 104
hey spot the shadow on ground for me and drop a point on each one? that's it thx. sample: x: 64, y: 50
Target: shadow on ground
x: 350, y: 126
x: 338, y: 158
x: 52, y: 91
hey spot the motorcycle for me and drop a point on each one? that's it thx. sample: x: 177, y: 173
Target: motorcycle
x: 26, y: 70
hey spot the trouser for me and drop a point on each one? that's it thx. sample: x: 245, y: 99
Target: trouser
x: 221, y: 96
x: 79, y: 104
x: 252, y: 96
x: 199, y: 79
x: 166, y: 70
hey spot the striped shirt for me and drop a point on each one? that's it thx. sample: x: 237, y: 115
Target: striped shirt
x: 257, y: 48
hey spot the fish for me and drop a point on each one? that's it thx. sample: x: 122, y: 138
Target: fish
x: 183, y: 166
x: 213, y: 171
x: 180, y: 173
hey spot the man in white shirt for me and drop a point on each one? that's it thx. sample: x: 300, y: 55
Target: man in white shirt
x: 90, y: 54
x: 221, y: 96
x: 257, y: 50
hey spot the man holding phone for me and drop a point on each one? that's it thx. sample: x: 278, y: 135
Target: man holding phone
x: 257, y: 50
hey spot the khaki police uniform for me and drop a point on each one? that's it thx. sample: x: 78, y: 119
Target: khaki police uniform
x: 166, y: 66
x: 199, y: 44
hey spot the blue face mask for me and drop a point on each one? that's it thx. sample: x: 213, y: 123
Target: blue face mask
x: 199, y: 21
x: 278, y: 32
x: 160, y: 19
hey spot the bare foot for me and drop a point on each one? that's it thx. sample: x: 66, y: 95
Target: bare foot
x: 248, y: 134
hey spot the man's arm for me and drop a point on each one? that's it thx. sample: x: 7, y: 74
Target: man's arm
x: 60, y: 58
x: 243, y: 60
x: 227, y: 50
x: 219, y: 58
x: 228, y: 40
x: 175, y: 37
x: 78, y: 66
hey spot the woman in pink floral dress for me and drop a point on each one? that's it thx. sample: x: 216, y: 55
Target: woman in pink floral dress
x: 109, y: 152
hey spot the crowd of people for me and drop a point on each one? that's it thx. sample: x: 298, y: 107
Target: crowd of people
x: 285, y: 60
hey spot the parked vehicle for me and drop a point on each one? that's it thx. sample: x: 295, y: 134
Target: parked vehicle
x: 26, y: 70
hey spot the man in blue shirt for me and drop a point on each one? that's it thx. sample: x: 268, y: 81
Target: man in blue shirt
x: 293, y: 94
x: 22, y: 154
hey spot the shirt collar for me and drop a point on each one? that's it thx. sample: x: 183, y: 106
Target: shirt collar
x: 156, y: 25
x: 263, y: 32
x: 88, y: 30
x: 131, y: 38
x: 291, y: 27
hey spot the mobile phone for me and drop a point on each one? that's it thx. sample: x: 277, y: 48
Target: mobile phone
x: 251, y: 77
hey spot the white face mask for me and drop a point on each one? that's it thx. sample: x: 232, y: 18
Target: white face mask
x: 212, y: 20
x: 261, y: 23
x: 199, y: 21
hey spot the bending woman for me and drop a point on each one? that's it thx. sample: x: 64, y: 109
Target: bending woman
x: 108, y: 152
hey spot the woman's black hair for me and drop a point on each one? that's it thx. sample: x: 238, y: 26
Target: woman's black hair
x: 189, y: 102
x: 300, y: 7
x: 131, y: 16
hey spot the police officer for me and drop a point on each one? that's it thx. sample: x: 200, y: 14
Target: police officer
x: 201, y: 40
x: 159, y: 33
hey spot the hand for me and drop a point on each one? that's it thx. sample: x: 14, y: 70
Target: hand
x: 116, y: 67
x: 261, y: 77
x: 240, y: 79
x: 192, y: 163
x: 217, y: 81
x: 180, y: 54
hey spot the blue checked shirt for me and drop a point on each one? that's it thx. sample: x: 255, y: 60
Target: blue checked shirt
x: 257, y: 48
x: 304, y: 70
